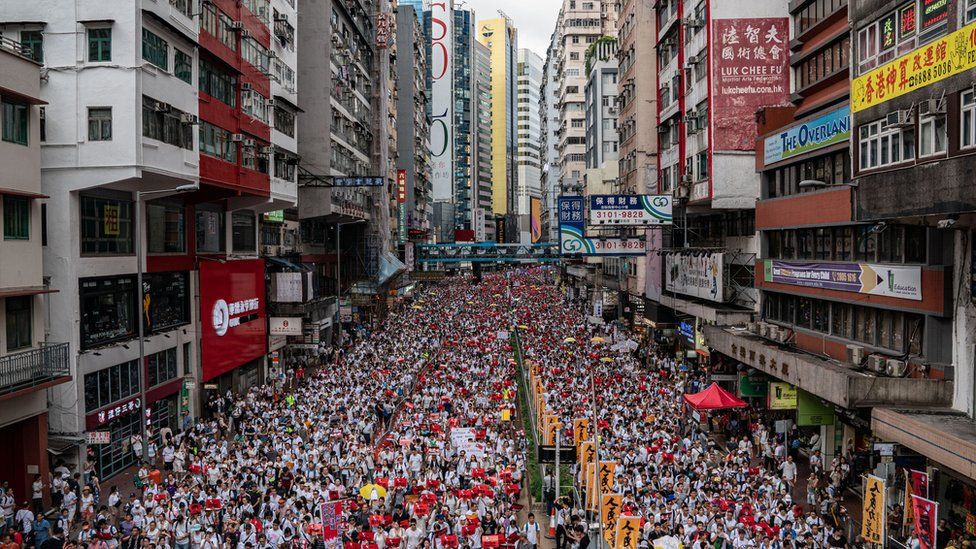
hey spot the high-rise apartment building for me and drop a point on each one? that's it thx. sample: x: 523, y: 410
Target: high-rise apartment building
x: 580, y: 23
x: 484, y: 222
x: 501, y: 37
x: 549, y: 120
x: 167, y: 131
x: 528, y: 130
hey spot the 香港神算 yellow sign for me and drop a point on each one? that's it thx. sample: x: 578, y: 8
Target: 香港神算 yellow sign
x: 948, y: 56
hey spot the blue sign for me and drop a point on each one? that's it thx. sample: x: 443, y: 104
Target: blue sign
x: 358, y: 181
x: 687, y: 331
x: 833, y: 127
x: 645, y: 209
x: 573, y: 239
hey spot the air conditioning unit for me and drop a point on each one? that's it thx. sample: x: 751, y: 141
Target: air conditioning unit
x: 245, y: 33
x: 250, y: 143
x: 752, y: 328
x: 855, y: 354
x: 765, y: 329
x: 896, y: 368
x: 878, y: 364
x: 162, y: 107
x: 779, y: 335
x: 267, y: 150
x: 682, y: 192
x: 245, y: 86
x: 270, y: 103
x: 687, y: 178
x: 237, y: 25
x: 269, y: 250
x: 692, y: 60
x: 931, y: 106
x: 900, y: 118
x: 693, y: 22
x: 189, y: 119
x: 236, y: 137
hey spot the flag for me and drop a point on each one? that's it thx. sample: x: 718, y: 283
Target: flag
x: 920, y: 483
x: 909, y: 508
x: 926, y: 516
x: 873, y: 515
x: 331, y: 513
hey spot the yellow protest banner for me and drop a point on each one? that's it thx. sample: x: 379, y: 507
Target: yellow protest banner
x: 587, y: 452
x: 611, y: 511
x: 581, y: 430
x: 607, y: 469
x: 592, y: 490
x: 948, y: 56
x: 587, y: 472
x: 873, y: 514
x: 627, y: 533
x: 551, y: 430
x: 506, y: 414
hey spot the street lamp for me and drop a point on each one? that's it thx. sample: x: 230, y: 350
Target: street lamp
x: 338, y: 317
x: 143, y: 369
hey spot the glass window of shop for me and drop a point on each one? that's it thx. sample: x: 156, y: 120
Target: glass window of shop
x: 108, y: 308
x: 166, y: 301
x: 110, y: 385
x: 832, y: 169
x: 210, y: 229
x: 106, y: 226
x: 245, y: 233
x: 115, y: 457
x: 162, y: 416
x: 165, y: 228
x: 162, y: 367
x: 894, y: 244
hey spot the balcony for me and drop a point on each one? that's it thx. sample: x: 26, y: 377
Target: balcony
x: 34, y: 368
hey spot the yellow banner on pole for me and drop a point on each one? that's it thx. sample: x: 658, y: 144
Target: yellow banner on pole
x: 592, y: 490
x: 551, y: 428
x: 873, y: 515
x: 627, y: 533
x: 607, y: 469
x: 506, y: 414
x: 581, y: 431
x: 612, y: 504
x: 586, y: 453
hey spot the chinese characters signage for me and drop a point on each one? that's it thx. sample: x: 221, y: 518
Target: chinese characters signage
x: 948, y: 56
x: 873, y: 516
x: 630, y: 209
x: 383, y: 27
x: 926, y: 518
x: 862, y: 278
x: 752, y: 57
x: 110, y: 414
x: 574, y: 241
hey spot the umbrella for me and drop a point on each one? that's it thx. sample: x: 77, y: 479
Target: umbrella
x: 606, y: 359
x: 416, y: 307
x: 569, y: 340
x: 372, y: 492
x: 596, y: 340
x: 523, y: 327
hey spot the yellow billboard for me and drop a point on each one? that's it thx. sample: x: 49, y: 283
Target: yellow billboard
x: 948, y: 56
x: 535, y: 218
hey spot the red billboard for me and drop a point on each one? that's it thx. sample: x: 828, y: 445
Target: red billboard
x: 750, y: 63
x: 232, y: 314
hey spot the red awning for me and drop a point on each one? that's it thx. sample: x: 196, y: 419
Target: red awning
x: 714, y: 398
x: 25, y: 194
x: 25, y: 290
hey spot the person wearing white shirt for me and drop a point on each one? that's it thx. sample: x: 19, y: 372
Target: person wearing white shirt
x: 530, y: 530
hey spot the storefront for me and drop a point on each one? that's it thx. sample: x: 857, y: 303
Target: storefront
x: 110, y: 430
x: 234, y: 339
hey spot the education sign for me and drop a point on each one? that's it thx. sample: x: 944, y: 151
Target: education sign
x: 862, y: 278
x: 824, y: 131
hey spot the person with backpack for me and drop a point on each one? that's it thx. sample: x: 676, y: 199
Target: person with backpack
x: 530, y: 532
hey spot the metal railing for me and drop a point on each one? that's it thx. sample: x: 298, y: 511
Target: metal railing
x: 33, y: 367
x: 16, y: 48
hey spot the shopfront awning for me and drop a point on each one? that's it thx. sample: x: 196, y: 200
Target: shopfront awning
x: 830, y: 380
x: 946, y: 437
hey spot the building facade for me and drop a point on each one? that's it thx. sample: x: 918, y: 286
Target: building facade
x: 30, y: 361
x: 529, y: 131
x: 483, y: 222
x: 548, y: 122
x: 501, y: 37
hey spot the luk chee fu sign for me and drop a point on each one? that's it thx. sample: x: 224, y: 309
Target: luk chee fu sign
x: 752, y: 56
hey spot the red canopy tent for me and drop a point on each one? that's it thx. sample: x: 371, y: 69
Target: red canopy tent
x: 714, y: 398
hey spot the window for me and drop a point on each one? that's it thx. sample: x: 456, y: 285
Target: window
x: 970, y: 11
x: 99, y: 45
x: 702, y: 165
x: 932, y: 135
x: 33, y: 40
x: 254, y: 105
x: 967, y: 104
x: 16, y: 217
x: 183, y: 66
x: 244, y: 231
x: 217, y: 142
x: 284, y: 167
x: 20, y: 322
x: 253, y: 157
x: 155, y: 49
x: 111, y: 385
x: 108, y: 308
x: 829, y: 61
x: 883, y: 144
x: 259, y: 8
x: 162, y: 367
x: 256, y: 54
x: 210, y: 230
x: 15, y: 120
x: 106, y: 226
x: 165, y: 228
x: 217, y: 83
x: 183, y: 6
x: 166, y: 299
x: 218, y: 25
x: 42, y: 126
x: 99, y: 123
x: 162, y: 122
x: 284, y: 121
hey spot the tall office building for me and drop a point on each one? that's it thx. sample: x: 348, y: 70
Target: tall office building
x: 548, y: 122
x: 501, y: 37
x: 484, y: 223
x: 529, y: 131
